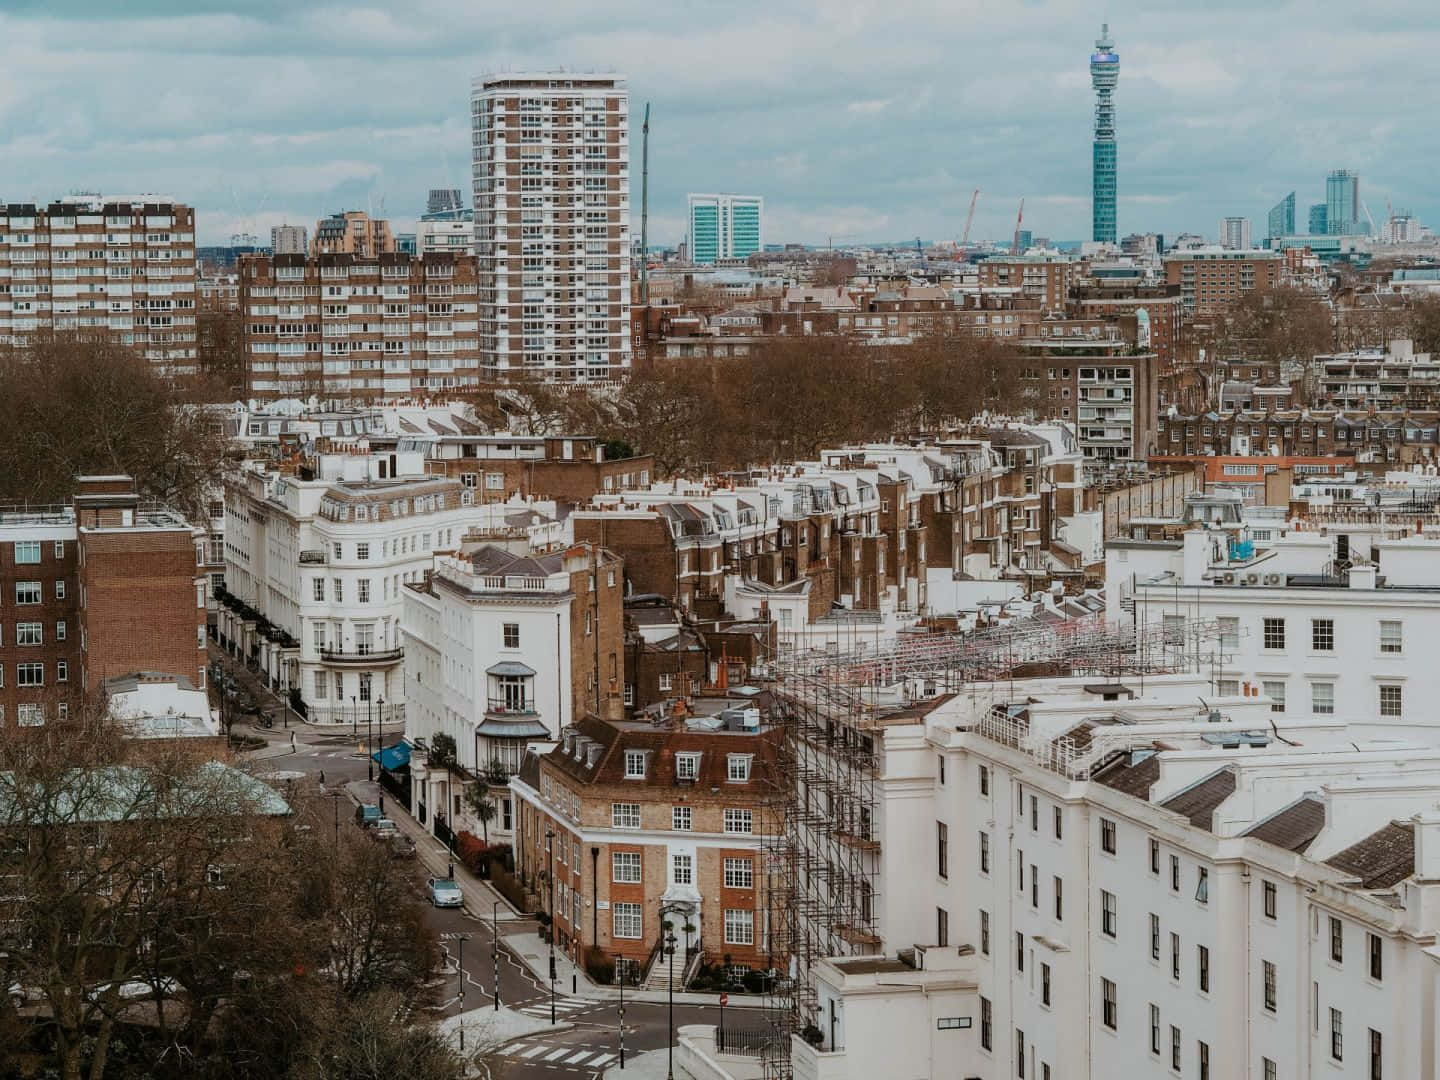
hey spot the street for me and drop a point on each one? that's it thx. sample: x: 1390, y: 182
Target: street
x: 592, y: 1044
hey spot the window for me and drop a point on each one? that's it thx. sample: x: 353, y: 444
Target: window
x: 28, y: 592
x: 1155, y: 857
x: 987, y: 1024
x: 1107, y: 1004
x: 1202, y: 885
x: 1337, y: 940
x: 625, y: 867
x: 942, y: 927
x: 739, y: 927
x: 1107, y: 913
x: 62, y: 671
x: 680, y: 818
x: 1322, y: 698
x: 1268, y: 890
x: 1391, y: 701
x: 1044, y: 984
x: 1155, y: 1029
x: 737, y: 768
x: 1275, y: 691
x: 317, y: 589
x: 625, y: 815
x: 339, y: 552
x: 634, y: 764
x: 30, y: 674
x: 942, y: 849
x: 1373, y: 952
x: 1267, y: 975
x: 1203, y: 1052
x: 1154, y: 936
x: 1034, y: 814
x: 1019, y: 871
x: 1059, y: 899
x: 29, y: 633
x: 1035, y: 886
x: 1019, y: 951
x: 940, y: 768
x: 1392, y: 636
x: 682, y: 869
x: 1268, y: 1068
x: 510, y: 635
x: 1229, y: 627
x: 1174, y: 627
x: 1019, y: 1052
x: 984, y: 780
x: 1202, y: 963
x: 739, y: 874
x: 984, y: 853
x: 1376, y: 1056
x: 362, y: 551
x: 667, y: 682
x: 1107, y: 836
x: 1059, y: 823
x: 1273, y: 635
x: 364, y: 590
x: 27, y: 551
x: 60, y: 546
x: 1174, y: 1048
x: 984, y: 933
x: 1175, y: 956
x: 739, y: 821
x: 1174, y: 873
x: 339, y: 590
x: 626, y: 920
x: 1337, y: 1035
x: 1322, y: 635
x: 687, y: 766
x: 30, y: 715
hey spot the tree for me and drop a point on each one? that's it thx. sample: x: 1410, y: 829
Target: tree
x: 477, y: 798
x: 72, y: 405
x: 220, y: 357
x: 360, y: 1040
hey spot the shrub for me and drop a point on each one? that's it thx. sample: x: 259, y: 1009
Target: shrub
x: 507, y: 886
x: 599, y: 967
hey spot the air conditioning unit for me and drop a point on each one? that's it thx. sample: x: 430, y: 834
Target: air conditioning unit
x: 1272, y: 579
x: 1252, y: 579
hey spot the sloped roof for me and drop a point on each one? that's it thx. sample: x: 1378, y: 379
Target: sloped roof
x: 1294, y: 827
x: 1383, y: 859
x: 1132, y: 774
x: 1199, y: 800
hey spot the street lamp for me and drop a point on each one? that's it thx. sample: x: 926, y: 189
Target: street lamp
x: 354, y: 728
x: 669, y: 949
x: 550, y: 853
x: 495, y: 947
x: 460, y: 939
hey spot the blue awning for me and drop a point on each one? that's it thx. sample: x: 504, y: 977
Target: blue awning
x: 393, y: 757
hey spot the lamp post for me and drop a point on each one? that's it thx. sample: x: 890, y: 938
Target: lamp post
x: 369, y: 738
x: 460, y: 939
x: 550, y: 855
x: 622, y: 967
x: 354, y: 728
x: 669, y: 947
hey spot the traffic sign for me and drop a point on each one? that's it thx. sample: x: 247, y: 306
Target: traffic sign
x: 724, y: 999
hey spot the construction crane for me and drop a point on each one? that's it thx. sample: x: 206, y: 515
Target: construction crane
x: 1019, y: 218
x: 645, y: 207
x: 1371, y: 220
x: 969, y: 218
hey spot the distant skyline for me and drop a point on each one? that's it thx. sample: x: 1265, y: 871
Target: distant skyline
x: 857, y: 120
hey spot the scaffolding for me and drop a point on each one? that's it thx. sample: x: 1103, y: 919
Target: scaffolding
x: 822, y: 854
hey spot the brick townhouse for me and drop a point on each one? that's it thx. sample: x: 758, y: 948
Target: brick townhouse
x: 633, y: 817
x: 94, y: 590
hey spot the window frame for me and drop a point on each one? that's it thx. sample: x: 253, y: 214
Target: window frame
x: 630, y: 860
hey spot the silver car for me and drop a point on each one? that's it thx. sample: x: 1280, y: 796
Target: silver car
x: 445, y: 892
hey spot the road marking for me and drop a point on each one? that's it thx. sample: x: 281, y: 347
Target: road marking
x: 600, y: 1063
x: 578, y: 1057
x: 554, y: 1054
x: 530, y: 1053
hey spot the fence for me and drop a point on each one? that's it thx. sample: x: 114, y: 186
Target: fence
x: 749, y: 1041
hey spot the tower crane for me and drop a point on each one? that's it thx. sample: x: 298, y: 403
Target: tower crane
x: 969, y: 218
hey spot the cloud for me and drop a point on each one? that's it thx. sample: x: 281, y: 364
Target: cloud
x: 868, y: 119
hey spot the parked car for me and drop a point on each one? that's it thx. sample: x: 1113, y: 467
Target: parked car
x: 367, y: 814
x: 401, y: 846
x: 383, y: 828
x: 445, y: 892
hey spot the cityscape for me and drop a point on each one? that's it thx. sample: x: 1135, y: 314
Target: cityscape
x: 563, y: 627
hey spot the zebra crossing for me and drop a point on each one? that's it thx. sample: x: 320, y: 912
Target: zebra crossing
x: 540, y: 1053
x: 564, y: 1006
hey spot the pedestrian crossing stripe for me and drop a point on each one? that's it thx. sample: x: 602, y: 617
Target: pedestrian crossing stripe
x: 561, y: 1055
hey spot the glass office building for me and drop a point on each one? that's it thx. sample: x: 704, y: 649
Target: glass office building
x: 726, y: 227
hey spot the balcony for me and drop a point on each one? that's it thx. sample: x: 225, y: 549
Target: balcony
x: 504, y: 708
x: 312, y: 558
x: 363, y: 656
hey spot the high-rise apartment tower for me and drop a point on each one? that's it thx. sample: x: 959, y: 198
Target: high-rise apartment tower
x: 1104, y: 74
x: 1342, y: 203
x: 1282, y: 218
x: 551, y: 172
x: 725, y: 227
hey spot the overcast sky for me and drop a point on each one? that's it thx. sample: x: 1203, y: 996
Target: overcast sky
x: 856, y: 119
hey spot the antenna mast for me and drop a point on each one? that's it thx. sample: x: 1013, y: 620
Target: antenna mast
x: 645, y: 208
